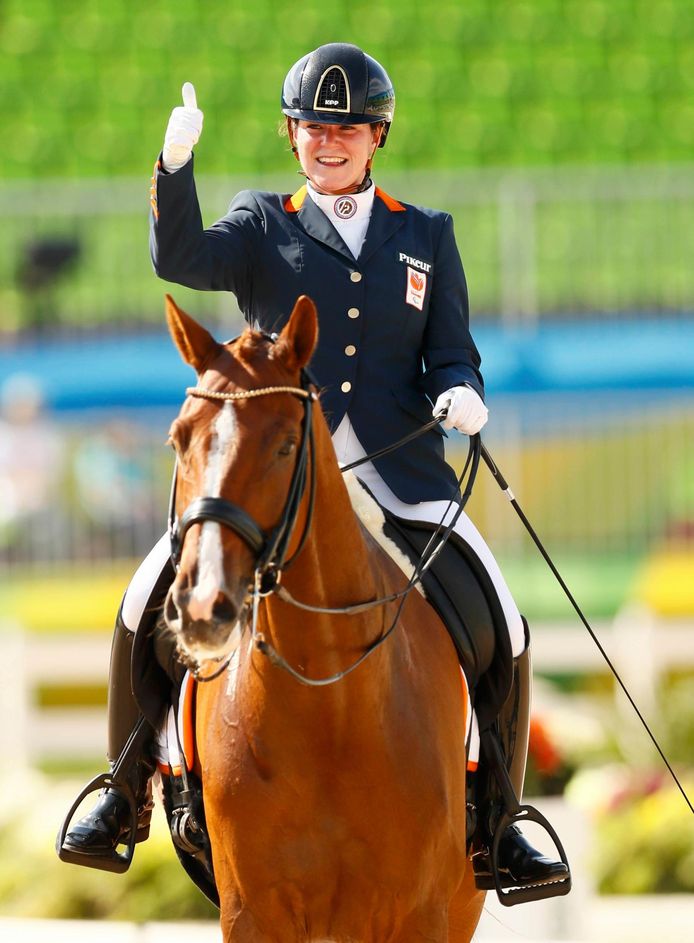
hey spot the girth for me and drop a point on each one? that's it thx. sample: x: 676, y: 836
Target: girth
x: 461, y: 591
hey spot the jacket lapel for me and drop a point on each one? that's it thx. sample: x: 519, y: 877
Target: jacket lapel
x: 387, y: 216
x: 316, y: 223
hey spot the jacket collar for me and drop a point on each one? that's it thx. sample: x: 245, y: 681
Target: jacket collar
x: 315, y: 222
x: 386, y: 217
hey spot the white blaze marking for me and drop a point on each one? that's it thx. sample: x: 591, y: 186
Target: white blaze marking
x: 210, y: 572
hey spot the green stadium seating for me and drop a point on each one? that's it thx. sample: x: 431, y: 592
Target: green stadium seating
x: 479, y: 82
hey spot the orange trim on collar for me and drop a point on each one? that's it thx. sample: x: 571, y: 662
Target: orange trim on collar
x: 294, y: 203
x: 392, y: 204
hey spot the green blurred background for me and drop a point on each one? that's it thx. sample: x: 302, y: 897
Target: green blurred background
x: 559, y: 134
x: 87, y: 85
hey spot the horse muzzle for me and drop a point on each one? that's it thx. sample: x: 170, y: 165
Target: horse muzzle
x: 206, y: 626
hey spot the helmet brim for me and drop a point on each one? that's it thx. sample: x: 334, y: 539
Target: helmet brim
x: 330, y: 117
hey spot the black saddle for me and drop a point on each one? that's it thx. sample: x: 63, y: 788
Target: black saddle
x: 460, y: 590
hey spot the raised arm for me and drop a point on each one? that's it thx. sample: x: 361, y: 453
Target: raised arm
x: 182, y: 250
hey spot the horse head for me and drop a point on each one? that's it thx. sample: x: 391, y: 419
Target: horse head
x: 239, y: 440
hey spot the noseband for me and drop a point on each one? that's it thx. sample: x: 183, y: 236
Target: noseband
x: 269, y: 549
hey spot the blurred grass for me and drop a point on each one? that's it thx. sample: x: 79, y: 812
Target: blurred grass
x: 34, y: 883
x: 600, y: 583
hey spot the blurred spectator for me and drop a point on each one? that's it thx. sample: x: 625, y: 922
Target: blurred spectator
x: 45, y: 262
x: 31, y: 464
x: 113, y: 480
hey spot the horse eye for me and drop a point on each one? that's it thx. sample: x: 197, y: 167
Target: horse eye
x: 288, y: 448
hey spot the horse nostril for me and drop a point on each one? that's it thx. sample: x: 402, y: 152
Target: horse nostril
x: 171, y: 611
x: 224, y: 609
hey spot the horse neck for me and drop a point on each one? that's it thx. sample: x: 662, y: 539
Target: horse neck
x: 338, y: 548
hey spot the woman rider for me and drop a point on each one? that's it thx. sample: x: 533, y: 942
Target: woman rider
x: 389, y: 286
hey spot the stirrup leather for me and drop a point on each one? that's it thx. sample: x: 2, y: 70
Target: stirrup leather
x: 513, y: 813
x: 117, y: 779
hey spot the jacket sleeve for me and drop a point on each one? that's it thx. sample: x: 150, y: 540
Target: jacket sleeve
x: 182, y: 250
x: 449, y: 352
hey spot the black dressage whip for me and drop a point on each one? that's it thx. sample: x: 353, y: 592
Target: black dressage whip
x: 503, y: 484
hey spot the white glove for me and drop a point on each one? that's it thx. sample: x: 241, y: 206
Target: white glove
x: 183, y: 131
x: 466, y: 411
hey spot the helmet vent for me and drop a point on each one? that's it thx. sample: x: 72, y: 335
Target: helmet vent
x: 333, y: 91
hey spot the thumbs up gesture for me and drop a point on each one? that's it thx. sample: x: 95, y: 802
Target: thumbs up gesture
x: 183, y: 131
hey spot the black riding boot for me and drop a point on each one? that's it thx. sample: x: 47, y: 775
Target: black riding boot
x: 108, y: 824
x: 141, y: 661
x: 519, y: 864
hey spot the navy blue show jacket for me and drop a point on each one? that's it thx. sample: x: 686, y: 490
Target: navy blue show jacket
x: 379, y: 357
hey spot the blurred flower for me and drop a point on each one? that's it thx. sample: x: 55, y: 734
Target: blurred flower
x: 541, y: 749
x: 547, y: 770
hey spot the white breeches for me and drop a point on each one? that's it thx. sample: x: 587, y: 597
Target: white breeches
x: 142, y: 584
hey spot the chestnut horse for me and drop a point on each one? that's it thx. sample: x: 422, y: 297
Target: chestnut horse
x: 335, y: 812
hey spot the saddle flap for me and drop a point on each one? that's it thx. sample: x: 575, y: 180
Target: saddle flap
x: 461, y: 591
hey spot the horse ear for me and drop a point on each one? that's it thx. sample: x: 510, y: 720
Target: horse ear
x: 299, y: 336
x: 194, y: 343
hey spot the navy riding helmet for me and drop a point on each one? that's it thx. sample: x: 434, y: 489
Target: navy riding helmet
x: 339, y: 84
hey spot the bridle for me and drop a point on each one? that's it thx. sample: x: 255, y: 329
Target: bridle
x: 270, y: 549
